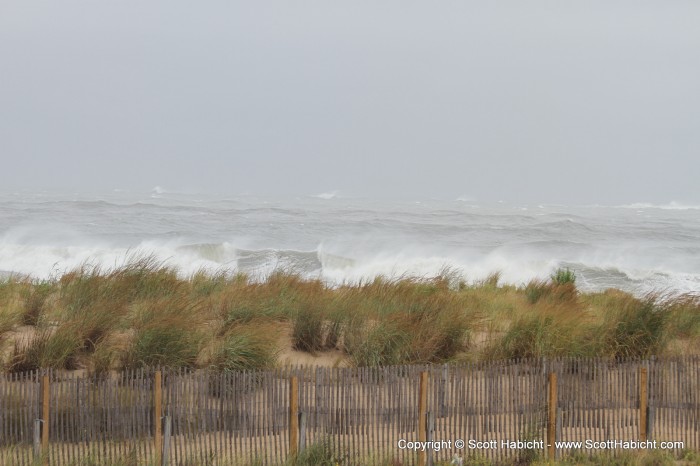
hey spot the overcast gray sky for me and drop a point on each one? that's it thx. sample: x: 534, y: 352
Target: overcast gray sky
x: 559, y: 101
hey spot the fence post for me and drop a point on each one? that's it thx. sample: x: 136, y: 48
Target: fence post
x: 166, y: 441
x: 157, y: 415
x: 643, y: 404
x: 45, y: 419
x: 552, y: 417
x: 422, y: 415
x: 294, y: 416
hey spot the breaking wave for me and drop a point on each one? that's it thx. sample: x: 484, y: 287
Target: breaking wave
x: 327, y: 196
x: 670, y: 206
x: 348, y: 241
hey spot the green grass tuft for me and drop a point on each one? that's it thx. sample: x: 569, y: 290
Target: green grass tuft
x: 563, y: 276
x: 245, y: 349
x: 636, y: 327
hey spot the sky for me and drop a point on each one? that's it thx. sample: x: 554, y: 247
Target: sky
x: 577, y: 102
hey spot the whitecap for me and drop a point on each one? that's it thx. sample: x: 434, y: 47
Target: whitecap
x: 328, y: 195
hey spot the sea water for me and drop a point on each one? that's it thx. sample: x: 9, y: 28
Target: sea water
x: 639, y: 248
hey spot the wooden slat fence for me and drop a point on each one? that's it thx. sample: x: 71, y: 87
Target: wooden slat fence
x: 360, y: 414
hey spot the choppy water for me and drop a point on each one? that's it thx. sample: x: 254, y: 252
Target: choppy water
x: 638, y: 248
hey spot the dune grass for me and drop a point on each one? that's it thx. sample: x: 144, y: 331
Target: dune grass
x: 143, y: 313
x: 245, y: 348
x: 11, y: 304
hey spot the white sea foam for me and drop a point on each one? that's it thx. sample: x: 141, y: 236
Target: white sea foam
x: 612, y: 270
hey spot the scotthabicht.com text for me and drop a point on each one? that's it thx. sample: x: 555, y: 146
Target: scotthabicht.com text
x: 459, y: 444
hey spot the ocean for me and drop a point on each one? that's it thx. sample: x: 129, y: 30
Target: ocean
x: 639, y: 248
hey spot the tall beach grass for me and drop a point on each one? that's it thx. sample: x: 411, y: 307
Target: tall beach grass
x: 143, y: 313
